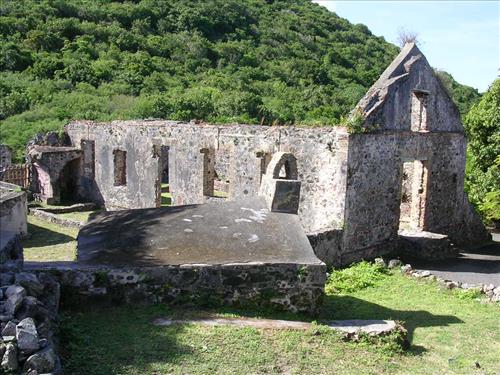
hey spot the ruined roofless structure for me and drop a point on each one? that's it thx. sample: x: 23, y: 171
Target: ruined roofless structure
x: 404, y: 171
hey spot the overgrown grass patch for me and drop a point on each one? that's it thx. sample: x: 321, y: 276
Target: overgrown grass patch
x: 354, y: 278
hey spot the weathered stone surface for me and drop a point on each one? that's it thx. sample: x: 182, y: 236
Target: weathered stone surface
x: 13, y: 209
x: 6, y: 278
x: 9, y: 360
x: 394, y: 263
x: 380, y: 262
x: 13, y: 303
x: 5, y: 157
x: 9, y: 329
x: 49, y: 161
x: 406, y: 268
x: 43, y: 361
x: 350, y: 327
x: 31, y: 307
x: 426, y: 245
x: 27, y: 335
x: 293, y: 287
x: 15, y: 290
x: 30, y: 282
x: 6, y: 318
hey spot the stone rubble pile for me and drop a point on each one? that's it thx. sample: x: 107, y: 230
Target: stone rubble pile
x: 28, y: 319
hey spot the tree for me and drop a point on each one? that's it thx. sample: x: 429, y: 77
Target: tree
x: 482, y: 125
x: 406, y: 36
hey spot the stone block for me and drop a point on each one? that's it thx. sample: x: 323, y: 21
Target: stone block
x: 286, y: 196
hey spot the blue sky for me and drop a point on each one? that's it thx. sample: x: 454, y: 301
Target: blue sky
x: 461, y: 37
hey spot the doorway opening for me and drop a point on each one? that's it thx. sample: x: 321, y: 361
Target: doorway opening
x: 413, y: 200
x: 216, y: 172
x: 163, y: 189
x: 68, y: 181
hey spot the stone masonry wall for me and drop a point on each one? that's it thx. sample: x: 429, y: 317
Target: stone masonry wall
x: 28, y: 314
x: 374, y: 183
x: 321, y: 156
x: 292, y: 287
x: 13, y: 209
x: 5, y: 157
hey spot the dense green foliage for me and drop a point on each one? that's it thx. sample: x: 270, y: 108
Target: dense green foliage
x: 252, y: 61
x: 248, y: 61
x: 482, y: 124
x: 463, y: 96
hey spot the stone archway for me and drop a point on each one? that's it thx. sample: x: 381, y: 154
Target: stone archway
x: 49, y: 163
x: 280, y: 185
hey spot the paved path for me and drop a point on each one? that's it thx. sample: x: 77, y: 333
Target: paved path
x: 481, y: 266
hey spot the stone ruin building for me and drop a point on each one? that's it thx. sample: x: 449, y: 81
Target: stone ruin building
x: 256, y: 211
x: 398, y: 175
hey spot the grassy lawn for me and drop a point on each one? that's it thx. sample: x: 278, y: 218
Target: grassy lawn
x: 449, y: 333
x: 49, y: 242
x: 78, y: 216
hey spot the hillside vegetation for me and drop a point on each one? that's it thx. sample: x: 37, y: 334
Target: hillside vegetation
x: 482, y: 182
x: 248, y: 61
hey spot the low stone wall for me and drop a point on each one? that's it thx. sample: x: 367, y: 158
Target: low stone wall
x: 491, y: 292
x: 292, y: 287
x: 53, y: 218
x: 11, y: 252
x: 28, y: 314
x: 78, y: 207
x: 13, y: 209
x: 28, y: 320
x: 427, y: 245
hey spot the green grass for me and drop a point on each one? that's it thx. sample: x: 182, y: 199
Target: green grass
x: 220, y: 194
x: 49, y: 242
x: 448, y: 336
x: 82, y: 216
x: 166, y: 196
x: 78, y: 216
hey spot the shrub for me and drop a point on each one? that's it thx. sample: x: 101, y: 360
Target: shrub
x: 356, y: 277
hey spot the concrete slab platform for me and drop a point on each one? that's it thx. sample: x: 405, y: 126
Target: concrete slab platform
x: 370, y: 327
x: 243, y: 231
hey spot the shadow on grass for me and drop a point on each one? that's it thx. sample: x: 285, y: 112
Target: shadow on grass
x: 128, y: 333
x: 111, y: 340
x: 40, y: 236
x: 340, y: 307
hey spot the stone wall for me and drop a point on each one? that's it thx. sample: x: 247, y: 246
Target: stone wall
x: 374, y: 188
x: 5, y: 157
x: 292, y: 287
x: 28, y: 322
x: 28, y: 314
x: 13, y: 209
x: 321, y: 158
x: 408, y: 93
x: 51, y: 173
x: 350, y: 185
